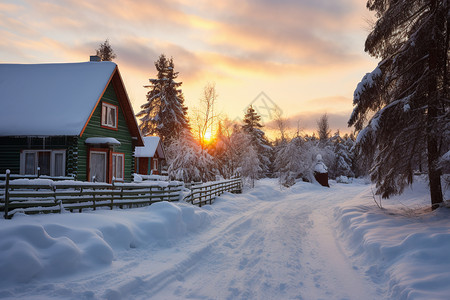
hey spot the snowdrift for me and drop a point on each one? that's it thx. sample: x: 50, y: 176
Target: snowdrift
x: 49, y: 246
x: 404, y: 247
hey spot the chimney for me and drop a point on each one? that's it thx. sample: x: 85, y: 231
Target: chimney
x: 95, y: 58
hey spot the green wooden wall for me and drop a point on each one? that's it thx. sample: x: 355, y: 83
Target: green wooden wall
x: 10, y: 148
x: 94, y: 129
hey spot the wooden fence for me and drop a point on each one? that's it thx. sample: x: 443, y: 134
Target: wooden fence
x: 206, y: 193
x: 47, y: 196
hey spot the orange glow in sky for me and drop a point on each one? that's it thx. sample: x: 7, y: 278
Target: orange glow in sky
x: 306, y: 56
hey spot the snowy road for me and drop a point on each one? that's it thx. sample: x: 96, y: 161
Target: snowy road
x: 265, y: 244
x: 283, y: 249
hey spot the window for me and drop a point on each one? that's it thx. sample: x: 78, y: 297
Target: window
x: 43, y: 162
x: 155, y: 164
x: 30, y: 166
x: 117, y: 166
x: 97, y: 166
x: 59, y: 161
x: 109, y: 115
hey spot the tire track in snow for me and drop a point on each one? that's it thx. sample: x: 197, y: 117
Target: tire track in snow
x: 284, y: 248
x: 257, y: 256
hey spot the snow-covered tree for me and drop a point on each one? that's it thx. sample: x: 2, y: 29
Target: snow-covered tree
x: 105, y: 51
x: 164, y: 113
x: 222, y: 152
x: 402, y: 106
x: 238, y: 142
x: 249, y: 163
x: 343, y: 165
x: 252, y: 126
x: 323, y: 128
x: 188, y: 161
x: 205, y: 117
x: 292, y: 161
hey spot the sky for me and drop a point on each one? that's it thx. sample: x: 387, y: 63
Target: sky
x: 303, y: 57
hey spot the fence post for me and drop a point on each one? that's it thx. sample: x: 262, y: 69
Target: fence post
x: 121, y: 198
x: 7, y: 193
x: 56, y: 200
x: 93, y: 196
x: 211, y: 193
x: 112, y: 194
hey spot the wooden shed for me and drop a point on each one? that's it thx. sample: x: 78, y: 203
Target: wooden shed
x: 151, y: 157
x: 69, y: 119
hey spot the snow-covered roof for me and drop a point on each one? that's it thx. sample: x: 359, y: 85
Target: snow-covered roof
x: 102, y: 140
x: 151, y: 145
x: 50, y: 99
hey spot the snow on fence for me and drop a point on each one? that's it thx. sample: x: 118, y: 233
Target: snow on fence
x: 47, y: 196
x: 206, y: 193
x: 18, y: 176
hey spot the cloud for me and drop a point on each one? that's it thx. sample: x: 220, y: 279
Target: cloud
x: 307, y: 122
x: 140, y: 54
x: 304, y: 33
x: 329, y: 104
x: 258, y: 37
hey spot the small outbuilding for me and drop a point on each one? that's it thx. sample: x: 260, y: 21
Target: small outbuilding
x: 321, y: 171
x: 151, y: 157
x: 67, y: 119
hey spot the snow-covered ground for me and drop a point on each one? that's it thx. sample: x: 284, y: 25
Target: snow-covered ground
x: 305, y: 242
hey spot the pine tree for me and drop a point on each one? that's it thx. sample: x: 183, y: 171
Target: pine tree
x: 408, y: 92
x: 252, y: 127
x: 249, y: 163
x: 105, y: 51
x: 343, y: 156
x: 323, y: 128
x: 236, y: 147
x: 164, y: 113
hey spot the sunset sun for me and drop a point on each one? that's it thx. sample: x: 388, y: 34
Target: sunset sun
x: 207, y: 138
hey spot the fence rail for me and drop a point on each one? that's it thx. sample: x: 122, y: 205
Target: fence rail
x: 47, y: 196
x: 206, y: 193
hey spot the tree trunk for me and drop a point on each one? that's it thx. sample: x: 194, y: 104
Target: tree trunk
x: 434, y: 174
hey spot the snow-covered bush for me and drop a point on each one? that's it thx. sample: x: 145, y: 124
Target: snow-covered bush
x: 293, y: 161
x: 343, y: 179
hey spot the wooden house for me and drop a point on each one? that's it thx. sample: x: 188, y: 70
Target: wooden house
x: 151, y: 157
x: 69, y: 119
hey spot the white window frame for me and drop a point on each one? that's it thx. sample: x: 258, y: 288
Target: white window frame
x: 155, y: 164
x: 107, y: 121
x: 52, y: 161
x: 115, y: 157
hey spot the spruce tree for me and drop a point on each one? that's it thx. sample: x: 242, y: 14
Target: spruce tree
x: 105, y: 51
x: 343, y: 156
x: 253, y: 127
x: 323, y: 128
x: 164, y: 113
x: 402, y: 107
